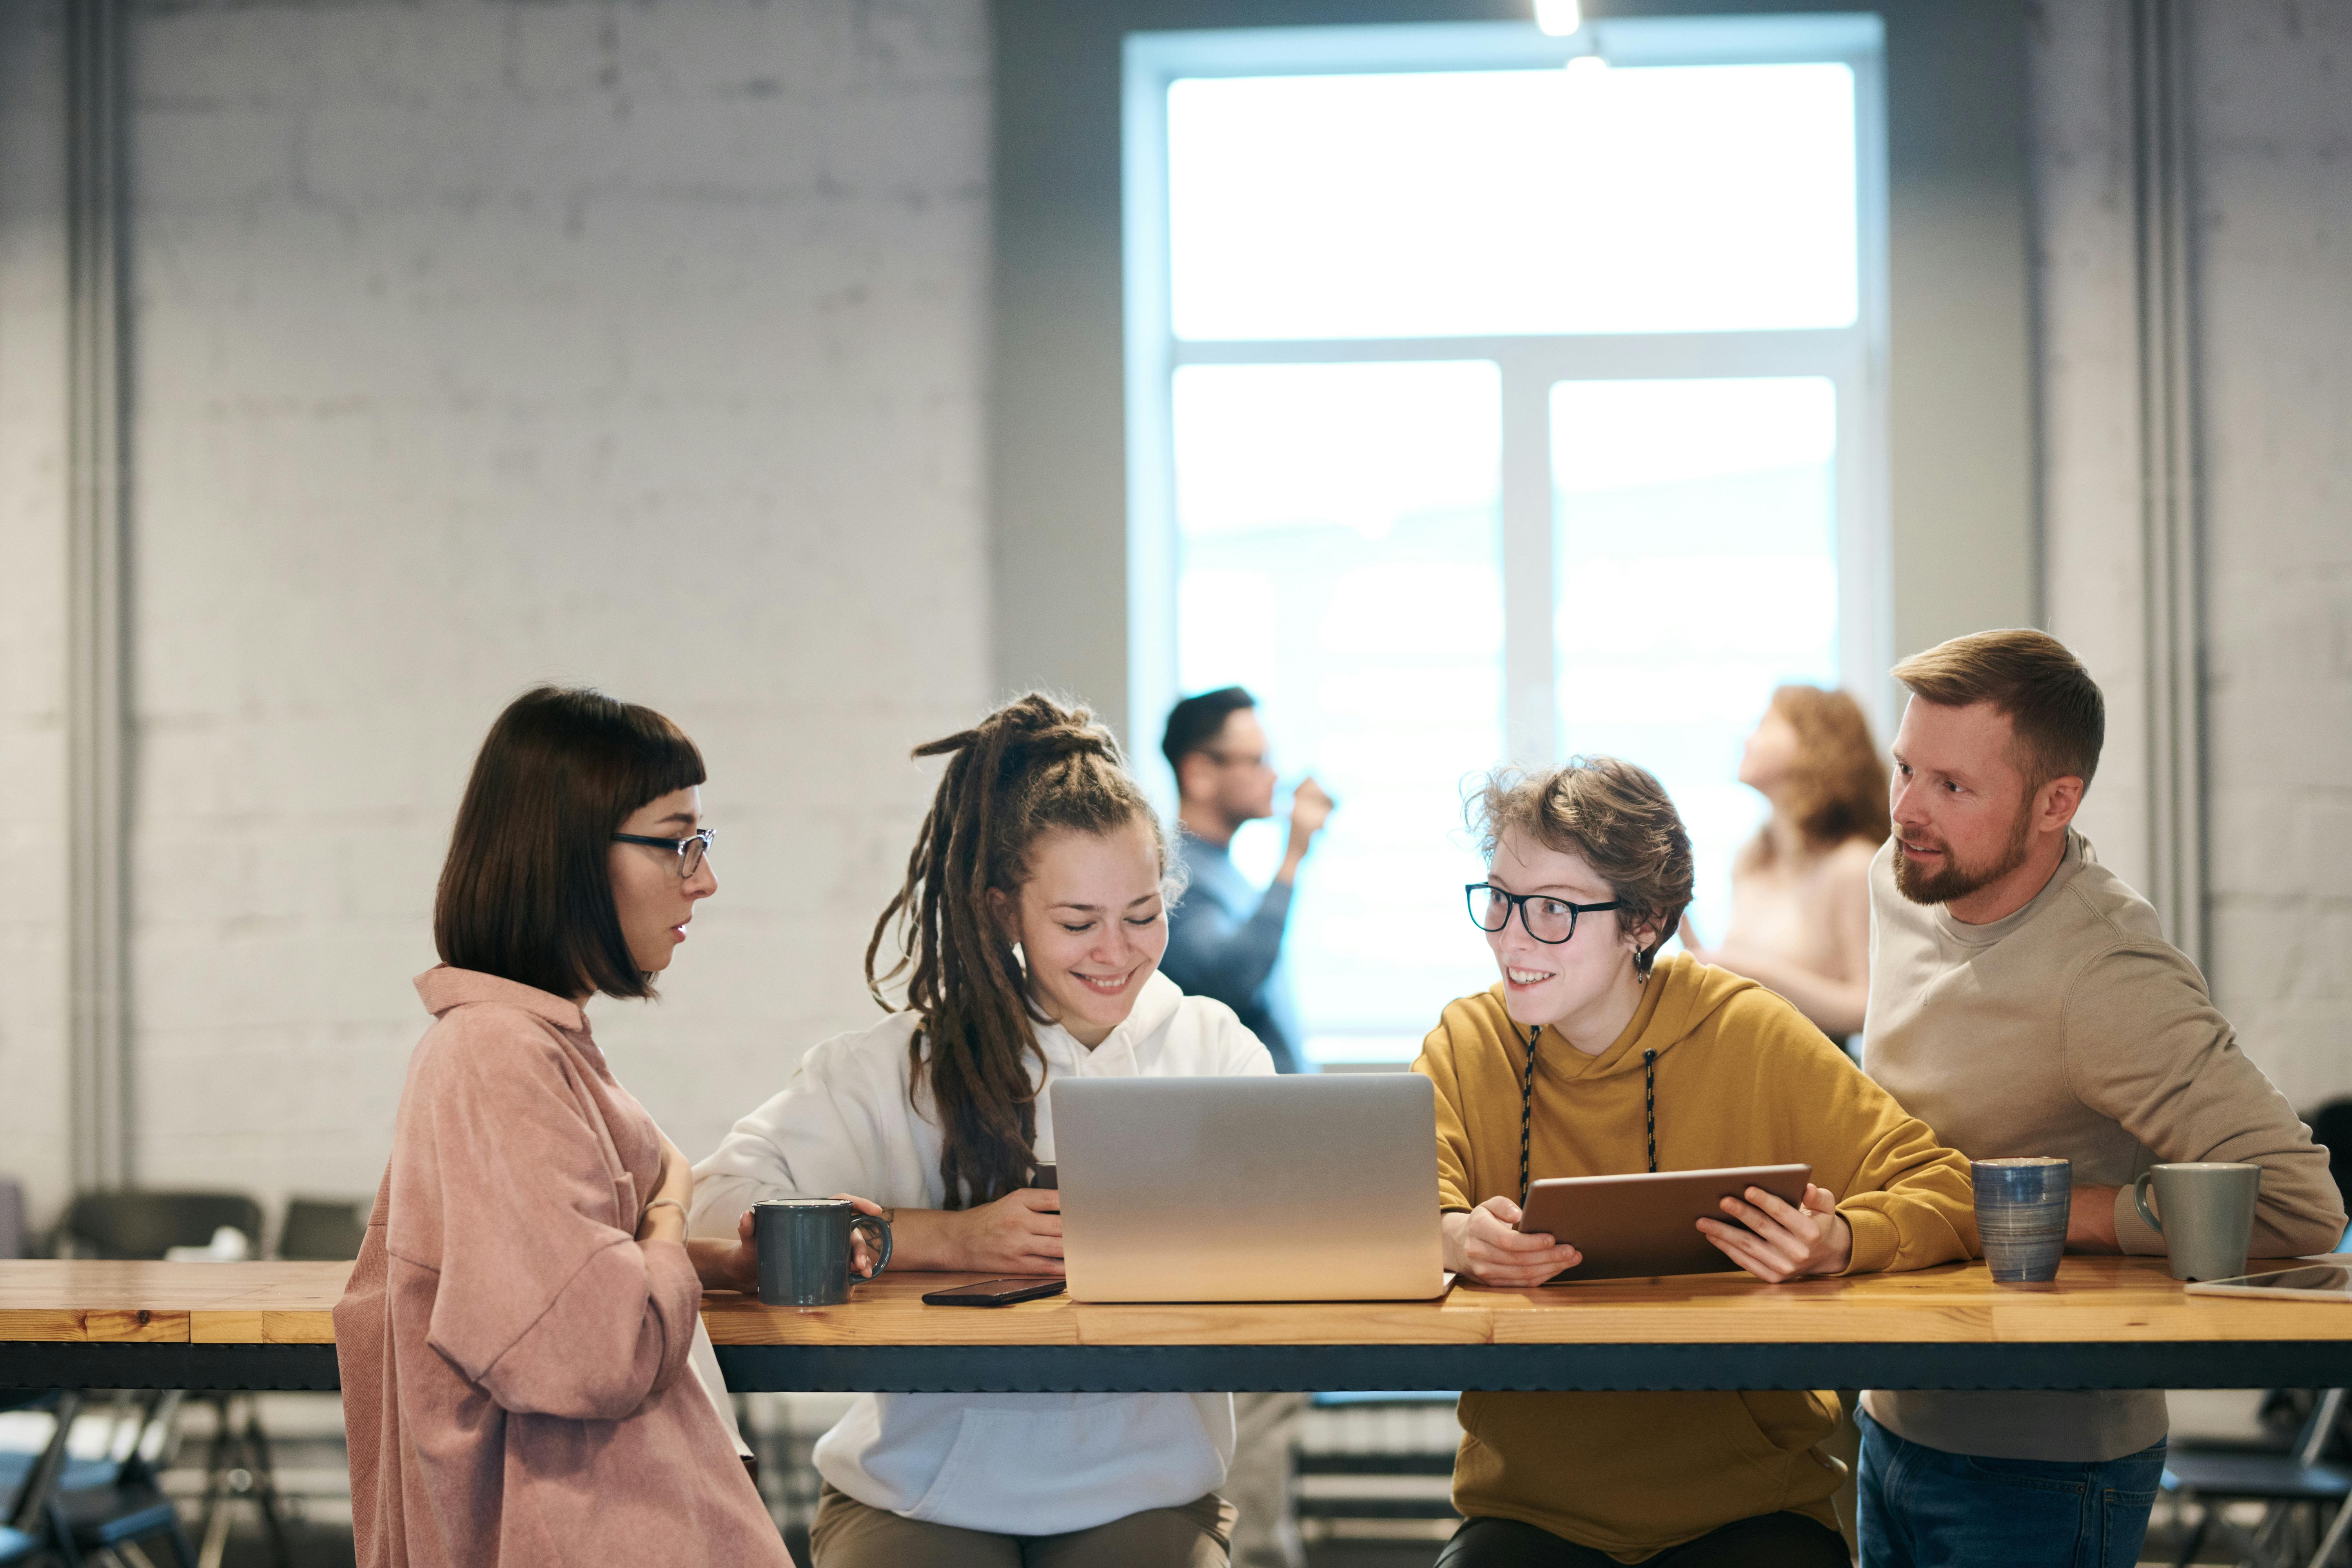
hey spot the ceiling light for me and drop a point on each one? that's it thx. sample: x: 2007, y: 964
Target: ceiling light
x: 1559, y: 17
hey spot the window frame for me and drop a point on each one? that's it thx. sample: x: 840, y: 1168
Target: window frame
x: 1855, y: 358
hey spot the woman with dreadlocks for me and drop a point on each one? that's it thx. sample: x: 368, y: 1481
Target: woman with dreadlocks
x: 1032, y: 921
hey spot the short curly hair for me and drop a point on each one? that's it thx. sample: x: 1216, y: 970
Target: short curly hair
x: 1618, y: 817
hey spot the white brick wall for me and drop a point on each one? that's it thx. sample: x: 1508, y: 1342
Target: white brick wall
x: 2273, y: 104
x: 2273, y: 145
x: 480, y: 344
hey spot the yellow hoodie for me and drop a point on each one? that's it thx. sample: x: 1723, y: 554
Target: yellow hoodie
x: 1743, y: 1079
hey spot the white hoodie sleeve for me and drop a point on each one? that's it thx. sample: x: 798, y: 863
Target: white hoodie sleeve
x: 841, y: 1125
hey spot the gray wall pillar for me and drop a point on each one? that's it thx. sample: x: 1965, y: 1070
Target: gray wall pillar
x: 96, y: 641
x: 2171, y: 505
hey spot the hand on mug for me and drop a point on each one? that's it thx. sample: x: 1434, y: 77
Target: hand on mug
x: 862, y: 1252
x: 721, y: 1267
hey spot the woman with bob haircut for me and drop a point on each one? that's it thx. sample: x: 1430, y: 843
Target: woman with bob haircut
x: 1595, y: 1057
x: 1034, y: 916
x: 1801, y: 889
x: 515, y: 1335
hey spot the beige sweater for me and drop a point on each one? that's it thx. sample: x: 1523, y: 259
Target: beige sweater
x: 2072, y: 1027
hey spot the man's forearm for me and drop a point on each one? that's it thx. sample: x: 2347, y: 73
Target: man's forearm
x: 2091, y: 1220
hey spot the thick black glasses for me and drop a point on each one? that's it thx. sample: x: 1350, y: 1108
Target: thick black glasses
x: 690, y: 849
x: 1546, y: 918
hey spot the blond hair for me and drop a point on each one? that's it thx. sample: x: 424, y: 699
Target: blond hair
x: 2053, y: 706
x: 1617, y: 818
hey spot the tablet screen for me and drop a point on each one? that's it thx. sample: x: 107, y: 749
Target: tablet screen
x: 1645, y: 1226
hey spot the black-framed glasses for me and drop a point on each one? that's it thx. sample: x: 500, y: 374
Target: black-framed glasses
x: 690, y: 849
x: 1546, y: 918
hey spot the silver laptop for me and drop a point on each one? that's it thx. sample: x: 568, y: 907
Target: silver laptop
x: 1306, y: 1188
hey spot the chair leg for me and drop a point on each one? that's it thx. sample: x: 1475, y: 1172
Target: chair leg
x: 265, y: 1482
x: 219, y: 1459
x: 61, y: 1540
x: 2196, y: 1537
x: 2266, y: 1534
x: 176, y: 1538
x: 2334, y: 1536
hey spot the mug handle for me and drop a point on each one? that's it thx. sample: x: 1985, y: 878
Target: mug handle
x: 881, y: 1237
x: 2139, y: 1202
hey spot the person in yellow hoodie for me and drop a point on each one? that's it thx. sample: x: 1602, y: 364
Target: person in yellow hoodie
x: 1596, y: 1056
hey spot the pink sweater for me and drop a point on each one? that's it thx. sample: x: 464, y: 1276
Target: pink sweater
x: 510, y: 1353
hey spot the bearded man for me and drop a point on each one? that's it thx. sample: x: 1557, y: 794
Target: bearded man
x: 2023, y: 1001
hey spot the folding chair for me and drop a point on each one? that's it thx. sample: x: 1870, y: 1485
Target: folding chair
x: 2294, y: 1486
x: 322, y: 1230
x: 31, y: 1528
x: 146, y: 1225
x: 129, y: 1509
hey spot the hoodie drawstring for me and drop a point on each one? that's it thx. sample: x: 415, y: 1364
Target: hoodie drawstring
x: 1527, y: 1108
x: 1650, y: 1105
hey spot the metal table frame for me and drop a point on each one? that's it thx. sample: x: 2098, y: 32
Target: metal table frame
x: 814, y: 1368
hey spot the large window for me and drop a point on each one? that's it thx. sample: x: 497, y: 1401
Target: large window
x: 1497, y: 399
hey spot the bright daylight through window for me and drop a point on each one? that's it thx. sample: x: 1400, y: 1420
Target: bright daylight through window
x: 1495, y: 397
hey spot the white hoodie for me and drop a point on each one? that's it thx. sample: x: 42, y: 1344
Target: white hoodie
x: 1012, y: 1463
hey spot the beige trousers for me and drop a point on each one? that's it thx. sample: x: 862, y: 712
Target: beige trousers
x: 1265, y: 1431
x: 849, y: 1534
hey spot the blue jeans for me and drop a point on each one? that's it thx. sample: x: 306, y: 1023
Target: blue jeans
x: 1922, y: 1507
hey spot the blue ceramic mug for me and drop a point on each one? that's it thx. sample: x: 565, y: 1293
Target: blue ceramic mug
x: 2022, y: 1209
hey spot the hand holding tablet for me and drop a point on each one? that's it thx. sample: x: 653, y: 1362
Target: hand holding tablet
x: 1489, y: 1248
x: 1775, y: 1241
x: 1767, y: 1219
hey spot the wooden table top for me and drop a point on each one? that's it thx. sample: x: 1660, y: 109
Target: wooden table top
x: 2095, y: 1300
x: 169, y: 1303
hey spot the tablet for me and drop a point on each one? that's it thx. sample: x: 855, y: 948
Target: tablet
x: 1632, y: 1227
x: 2311, y: 1282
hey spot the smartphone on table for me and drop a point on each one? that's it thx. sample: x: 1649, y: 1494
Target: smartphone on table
x: 995, y: 1293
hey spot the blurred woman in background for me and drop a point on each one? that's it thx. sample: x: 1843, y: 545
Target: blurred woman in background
x: 515, y: 1336
x: 1800, y: 888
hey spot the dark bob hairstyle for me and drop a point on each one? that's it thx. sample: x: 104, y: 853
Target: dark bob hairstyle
x: 527, y: 892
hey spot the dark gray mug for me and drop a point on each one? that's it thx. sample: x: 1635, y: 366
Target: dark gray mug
x: 803, y: 1246
x: 2207, y: 1210
x: 2022, y: 1209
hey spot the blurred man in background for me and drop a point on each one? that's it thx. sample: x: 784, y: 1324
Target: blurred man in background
x: 1224, y: 940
